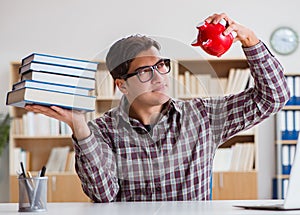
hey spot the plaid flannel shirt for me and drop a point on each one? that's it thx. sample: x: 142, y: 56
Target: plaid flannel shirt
x: 122, y: 161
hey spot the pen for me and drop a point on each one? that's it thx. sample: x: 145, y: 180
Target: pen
x: 43, y: 171
x: 23, y: 170
x: 28, y: 187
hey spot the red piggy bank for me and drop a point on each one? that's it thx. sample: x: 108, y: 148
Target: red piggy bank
x: 211, y: 38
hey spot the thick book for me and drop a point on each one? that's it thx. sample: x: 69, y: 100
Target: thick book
x: 51, y: 87
x: 52, y: 68
x: 21, y: 97
x: 59, y: 79
x: 51, y: 59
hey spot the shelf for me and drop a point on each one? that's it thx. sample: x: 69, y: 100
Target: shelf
x: 291, y: 107
x: 286, y: 142
x: 41, y: 137
x: 282, y: 176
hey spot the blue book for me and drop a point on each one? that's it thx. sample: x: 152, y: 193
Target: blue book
x: 24, y: 96
x: 57, y: 60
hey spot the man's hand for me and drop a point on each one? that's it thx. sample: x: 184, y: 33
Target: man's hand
x: 244, y: 35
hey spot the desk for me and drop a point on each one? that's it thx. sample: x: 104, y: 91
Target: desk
x: 189, y: 208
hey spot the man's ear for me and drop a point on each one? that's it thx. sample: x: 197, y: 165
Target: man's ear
x: 121, y: 84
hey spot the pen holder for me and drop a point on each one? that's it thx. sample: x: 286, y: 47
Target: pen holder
x: 33, y: 194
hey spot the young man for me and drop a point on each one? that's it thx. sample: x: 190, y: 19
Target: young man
x: 152, y: 147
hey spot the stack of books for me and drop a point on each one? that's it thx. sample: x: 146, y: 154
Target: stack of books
x: 52, y: 80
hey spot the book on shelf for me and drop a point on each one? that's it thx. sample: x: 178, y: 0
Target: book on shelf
x: 21, y: 155
x: 36, y: 124
x: 59, y: 79
x: 57, y: 69
x: 194, y: 85
x: 70, y: 164
x: 51, y: 87
x: 57, y: 159
x: 58, y: 60
x: 105, y: 84
x: 23, y: 96
x: 239, y: 157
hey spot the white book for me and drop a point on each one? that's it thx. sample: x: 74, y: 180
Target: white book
x: 21, y: 97
x: 59, y: 79
x: 57, y: 159
x: 203, y: 85
x: 52, y: 59
x: 42, y: 124
x: 290, y: 120
x: 54, y: 127
x: 292, y: 154
x: 57, y: 69
x: 70, y: 165
x: 297, y: 120
x: 187, y: 83
x: 215, y: 88
x: 180, y: 85
x: 222, y: 160
x: 231, y: 77
x: 243, y: 79
x: 20, y: 155
x: 239, y: 79
x: 282, y: 120
x: 290, y: 83
x: 249, y: 156
x: 31, y: 124
x: 297, y: 86
x: 24, y: 124
x: 236, y: 157
x: 51, y: 87
x: 102, y: 88
x: 193, y: 82
x: 285, y: 155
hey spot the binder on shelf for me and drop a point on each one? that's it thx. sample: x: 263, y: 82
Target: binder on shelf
x: 289, y: 118
x: 285, y: 157
x: 279, y: 193
x: 291, y: 85
x: 297, y: 90
x: 274, y: 189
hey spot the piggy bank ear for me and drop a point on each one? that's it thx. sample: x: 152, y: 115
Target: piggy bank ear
x: 195, y: 43
x: 200, y: 24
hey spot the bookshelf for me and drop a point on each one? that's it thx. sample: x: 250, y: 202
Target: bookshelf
x: 287, y: 133
x: 226, y: 185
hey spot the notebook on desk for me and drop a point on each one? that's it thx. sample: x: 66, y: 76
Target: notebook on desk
x: 292, y: 200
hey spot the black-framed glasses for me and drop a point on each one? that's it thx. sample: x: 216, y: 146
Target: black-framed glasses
x: 146, y: 73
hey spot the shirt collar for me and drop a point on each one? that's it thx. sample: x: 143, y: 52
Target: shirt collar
x: 123, y: 111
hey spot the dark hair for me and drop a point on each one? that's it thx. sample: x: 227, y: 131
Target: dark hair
x: 122, y: 53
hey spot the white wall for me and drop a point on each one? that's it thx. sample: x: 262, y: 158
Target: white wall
x: 84, y: 28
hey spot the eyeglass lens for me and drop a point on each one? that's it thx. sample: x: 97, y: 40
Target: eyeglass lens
x: 146, y: 74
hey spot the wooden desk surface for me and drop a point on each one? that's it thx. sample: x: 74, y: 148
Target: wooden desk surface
x: 189, y: 208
